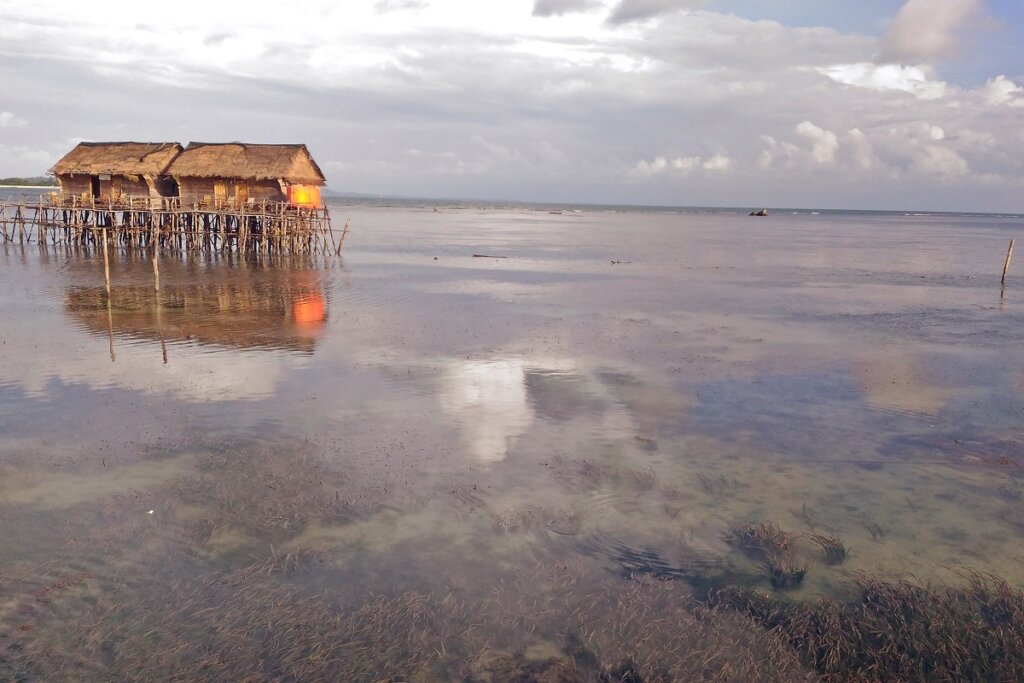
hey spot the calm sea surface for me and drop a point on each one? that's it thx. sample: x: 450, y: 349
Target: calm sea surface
x: 424, y: 465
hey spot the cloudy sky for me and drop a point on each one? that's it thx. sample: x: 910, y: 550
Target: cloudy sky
x: 900, y: 104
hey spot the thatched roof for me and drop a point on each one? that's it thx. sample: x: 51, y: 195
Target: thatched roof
x: 118, y: 158
x: 252, y: 162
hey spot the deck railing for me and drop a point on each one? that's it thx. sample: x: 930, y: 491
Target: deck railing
x: 129, y: 203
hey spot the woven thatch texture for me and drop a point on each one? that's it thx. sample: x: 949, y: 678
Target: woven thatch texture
x: 118, y: 158
x: 251, y: 162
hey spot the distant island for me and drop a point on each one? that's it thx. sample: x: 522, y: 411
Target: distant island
x: 35, y: 181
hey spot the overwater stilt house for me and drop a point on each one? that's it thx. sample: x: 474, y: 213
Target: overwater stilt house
x: 207, y: 196
x: 236, y: 173
x: 115, y: 170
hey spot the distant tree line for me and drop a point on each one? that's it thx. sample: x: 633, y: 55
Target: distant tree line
x: 35, y: 180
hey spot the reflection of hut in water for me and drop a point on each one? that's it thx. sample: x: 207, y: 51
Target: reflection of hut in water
x: 113, y: 170
x: 236, y: 173
x: 283, y: 310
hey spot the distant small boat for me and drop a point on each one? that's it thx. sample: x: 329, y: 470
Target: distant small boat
x: 761, y: 212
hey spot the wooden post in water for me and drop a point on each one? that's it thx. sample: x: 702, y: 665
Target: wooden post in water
x: 341, y: 242
x: 106, y: 262
x: 1006, y: 266
x: 110, y: 308
x: 330, y: 230
x: 267, y: 228
x: 110, y: 331
x: 156, y: 269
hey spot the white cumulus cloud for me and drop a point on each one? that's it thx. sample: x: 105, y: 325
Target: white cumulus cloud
x: 535, y: 99
x: 627, y: 11
x: 861, y: 151
x: 551, y: 8
x: 919, y: 149
x: 911, y: 79
x: 719, y: 162
x: 9, y: 120
x: 925, y: 30
x: 922, y: 149
x: 819, y: 148
x: 1001, y: 90
x: 825, y: 143
x: 681, y: 165
x: 941, y: 162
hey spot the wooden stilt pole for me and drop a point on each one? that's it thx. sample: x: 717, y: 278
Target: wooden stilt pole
x: 1006, y: 265
x: 344, y: 232
x: 268, y: 229
x: 110, y: 308
x: 106, y: 261
x: 330, y: 229
x: 110, y: 330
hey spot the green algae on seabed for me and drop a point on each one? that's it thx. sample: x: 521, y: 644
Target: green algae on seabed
x: 59, y: 490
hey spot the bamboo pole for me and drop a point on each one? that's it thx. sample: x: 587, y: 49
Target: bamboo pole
x: 110, y: 330
x: 1006, y: 265
x: 110, y: 308
x: 330, y: 229
x: 106, y: 262
x: 344, y: 232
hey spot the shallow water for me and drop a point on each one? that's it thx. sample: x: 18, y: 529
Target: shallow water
x: 606, y: 400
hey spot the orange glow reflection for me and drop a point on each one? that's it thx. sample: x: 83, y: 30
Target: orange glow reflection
x: 309, y: 310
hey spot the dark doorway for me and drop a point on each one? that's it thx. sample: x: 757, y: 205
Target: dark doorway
x: 95, y: 182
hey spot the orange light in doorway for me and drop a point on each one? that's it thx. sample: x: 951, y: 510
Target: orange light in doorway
x: 304, y: 195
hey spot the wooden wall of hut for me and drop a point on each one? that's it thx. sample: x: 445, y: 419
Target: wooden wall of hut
x: 205, y: 190
x: 75, y: 185
x: 127, y: 186
x: 114, y: 187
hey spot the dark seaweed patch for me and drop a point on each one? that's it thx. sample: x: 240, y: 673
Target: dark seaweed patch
x: 900, y: 631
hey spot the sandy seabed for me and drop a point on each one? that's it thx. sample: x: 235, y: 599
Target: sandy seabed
x: 645, y: 446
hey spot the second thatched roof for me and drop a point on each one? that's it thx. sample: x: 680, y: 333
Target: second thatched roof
x: 292, y: 163
x: 118, y: 158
